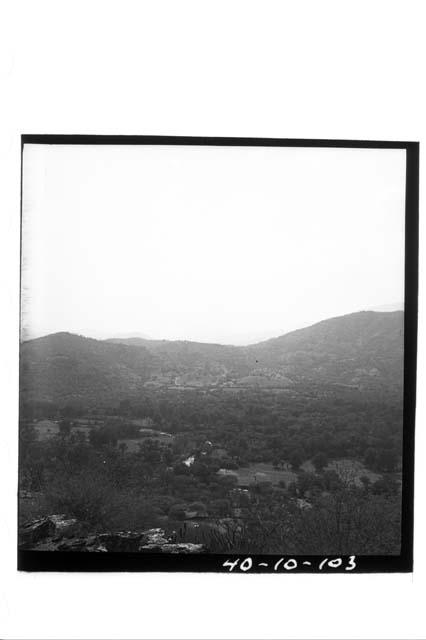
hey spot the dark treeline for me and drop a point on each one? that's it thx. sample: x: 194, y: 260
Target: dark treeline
x: 106, y: 486
x: 256, y: 427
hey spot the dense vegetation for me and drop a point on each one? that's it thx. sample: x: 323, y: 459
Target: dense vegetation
x: 362, y: 351
x: 106, y: 486
x: 290, y: 445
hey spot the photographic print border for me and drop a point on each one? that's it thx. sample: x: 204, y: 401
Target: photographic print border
x: 111, y: 562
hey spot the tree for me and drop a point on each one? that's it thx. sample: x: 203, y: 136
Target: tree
x: 150, y: 451
x: 320, y: 460
x: 106, y: 435
x: 370, y: 457
x: 177, y: 512
x: 84, y: 495
x: 308, y: 483
x: 228, y: 481
x: 296, y: 457
x: 386, y: 460
x: 263, y: 487
x: 384, y: 486
x: 197, y: 506
x: 220, y: 507
x: 331, y: 481
x: 349, y: 521
x: 181, y: 469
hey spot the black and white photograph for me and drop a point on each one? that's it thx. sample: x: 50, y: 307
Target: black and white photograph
x: 213, y: 320
x: 213, y: 353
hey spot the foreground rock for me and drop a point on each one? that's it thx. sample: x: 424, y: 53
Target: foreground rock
x: 32, y: 532
x: 55, y: 533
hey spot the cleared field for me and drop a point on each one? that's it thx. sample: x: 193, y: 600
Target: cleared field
x: 162, y: 436
x: 348, y: 470
x: 260, y: 472
x: 132, y: 444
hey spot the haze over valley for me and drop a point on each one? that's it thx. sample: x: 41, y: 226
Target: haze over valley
x: 361, y: 351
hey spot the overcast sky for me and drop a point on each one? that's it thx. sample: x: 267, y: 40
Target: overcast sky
x: 220, y: 244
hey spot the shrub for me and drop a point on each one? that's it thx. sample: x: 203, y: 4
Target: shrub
x: 177, y: 512
x: 320, y: 461
x: 197, y: 506
x: 84, y: 495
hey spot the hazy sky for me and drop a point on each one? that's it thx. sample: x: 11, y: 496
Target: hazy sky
x: 221, y: 244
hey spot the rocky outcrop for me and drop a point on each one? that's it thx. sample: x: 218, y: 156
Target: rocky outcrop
x: 32, y: 532
x: 55, y: 533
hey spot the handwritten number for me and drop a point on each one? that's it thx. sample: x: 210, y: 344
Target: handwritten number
x: 246, y: 564
x: 334, y: 564
x: 230, y: 564
x: 277, y: 564
x: 291, y: 563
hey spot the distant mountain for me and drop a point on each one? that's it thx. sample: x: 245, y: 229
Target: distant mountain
x: 65, y: 366
x: 126, y: 336
x: 363, y: 351
x: 395, y: 306
x: 185, y: 353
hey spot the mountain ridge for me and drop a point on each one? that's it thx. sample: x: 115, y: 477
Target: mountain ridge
x: 362, y: 350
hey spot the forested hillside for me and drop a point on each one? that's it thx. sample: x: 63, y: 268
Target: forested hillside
x: 363, y: 351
